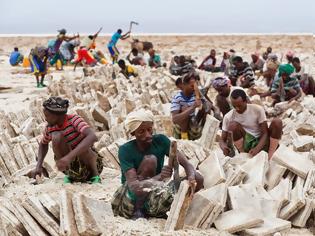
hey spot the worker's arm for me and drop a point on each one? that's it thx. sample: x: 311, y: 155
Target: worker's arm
x: 87, y: 142
x: 262, y: 139
x: 189, y: 169
x: 223, y: 143
x: 42, y: 152
x: 125, y: 36
x: 298, y: 95
x: 178, y: 116
x: 204, y: 60
x: 67, y: 38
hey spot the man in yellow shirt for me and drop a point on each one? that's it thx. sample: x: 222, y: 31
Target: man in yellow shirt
x: 127, y: 70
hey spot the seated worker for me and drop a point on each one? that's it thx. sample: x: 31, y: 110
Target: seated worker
x: 154, y: 60
x: 127, y: 70
x: 285, y: 87
x: 247, y: 124
x: 137, y: 58
x: 243, y: 74
x: 209, y: 63
x: 142, y: 169
x: 180, y: 65
x: 38, y: 59
x: 225, y: 63
x: 266, y: 54
x: 72, y: 140
x: 257, y: 63
x: 16, y: 57
x: 223, y: 86
x: 269, y: 74
x: 302, y: 74
x: 187, y: 124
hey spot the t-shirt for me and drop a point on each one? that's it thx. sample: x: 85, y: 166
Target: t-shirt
x: 249, y: 120
x: 14, y: 58
x: 258, y: 65
x: 72, y: 129
x: 114, y: 39
x: 86, y: 42
x: 180, y: 100
x: 130, y: 156
x: 290, y: 82
x: 156, y: 59
x: 210, y: 62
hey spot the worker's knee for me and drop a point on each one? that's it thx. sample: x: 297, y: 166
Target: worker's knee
x: 276, y: 123
x: 234, y: 127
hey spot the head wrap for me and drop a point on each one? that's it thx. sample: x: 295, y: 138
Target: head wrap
x: 56, y: 105
x: 286, y: 68
x: 256, y: 54
x: 273, y: 56
x: 220, y: 82
x: 135, y: 119
x: 272, y: 65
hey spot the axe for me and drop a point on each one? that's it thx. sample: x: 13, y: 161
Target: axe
x: 132, y: 23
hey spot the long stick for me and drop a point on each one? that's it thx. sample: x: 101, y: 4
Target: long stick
x: 173, y: 163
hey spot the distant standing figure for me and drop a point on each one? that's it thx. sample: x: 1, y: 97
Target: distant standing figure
x: 112, y: 44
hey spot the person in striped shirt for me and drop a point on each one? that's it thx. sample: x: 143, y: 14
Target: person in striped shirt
x: 187, y: 123
x: 72, y: 140
x: 243, y: 75
x: 285, y: 87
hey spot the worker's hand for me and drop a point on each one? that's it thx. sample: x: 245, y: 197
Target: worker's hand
x: 37, y: 171
x: 254, y: 151
x: 225, y: 149
x: 166, y: 172
x: 63, y: 163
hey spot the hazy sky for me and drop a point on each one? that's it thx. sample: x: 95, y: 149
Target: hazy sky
x: 160, y: 16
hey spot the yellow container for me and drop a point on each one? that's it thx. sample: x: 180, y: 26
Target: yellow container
x: 103, y: 61
x: 26, y: 62
x: 59, y: 64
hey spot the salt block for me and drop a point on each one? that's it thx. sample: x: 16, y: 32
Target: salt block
x: 209, y: 131
x: 212, y: 171
x: 269, y: 227
x: 295, y: 162
x: 297, y: 201
x: 37, y: 211
x: 217, y: 193
x: 99, y: 115
x: 309, y: 182
x: 240, y: 158
x: 179, y: 208
x: 305, y: 129
x: 256, y: 169
x: 52, y: 205
x: 211, y: 216
x: 235, y: 175
x: 303, y: 143
x: 67, y: 220
x: 282, y: 191
x: 237, y: 220
x: 9, y: 217
x: 31, y: 226
x: 108, y: 159
x: 274, y: 174
x: 299, y: 219
x: 199, y: 207
x: 248, y: 194
x: 85, y: 222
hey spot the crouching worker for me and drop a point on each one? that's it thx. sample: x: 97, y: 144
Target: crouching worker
x: 189, y: 109
x: 72, y: 140
x: 247, y: 124
x: 141, y: 163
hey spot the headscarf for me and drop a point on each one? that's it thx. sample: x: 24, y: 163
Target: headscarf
x: 272, y: 65
x: 273, y: 56
x: 286, y: 68
x: 56, y: 105
x: 256, y: 54
x: 220, y: 82
x: 135, y: 119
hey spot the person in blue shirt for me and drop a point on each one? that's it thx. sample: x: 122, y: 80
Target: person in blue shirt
x: 113, y: 41
x: 16, y: 57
